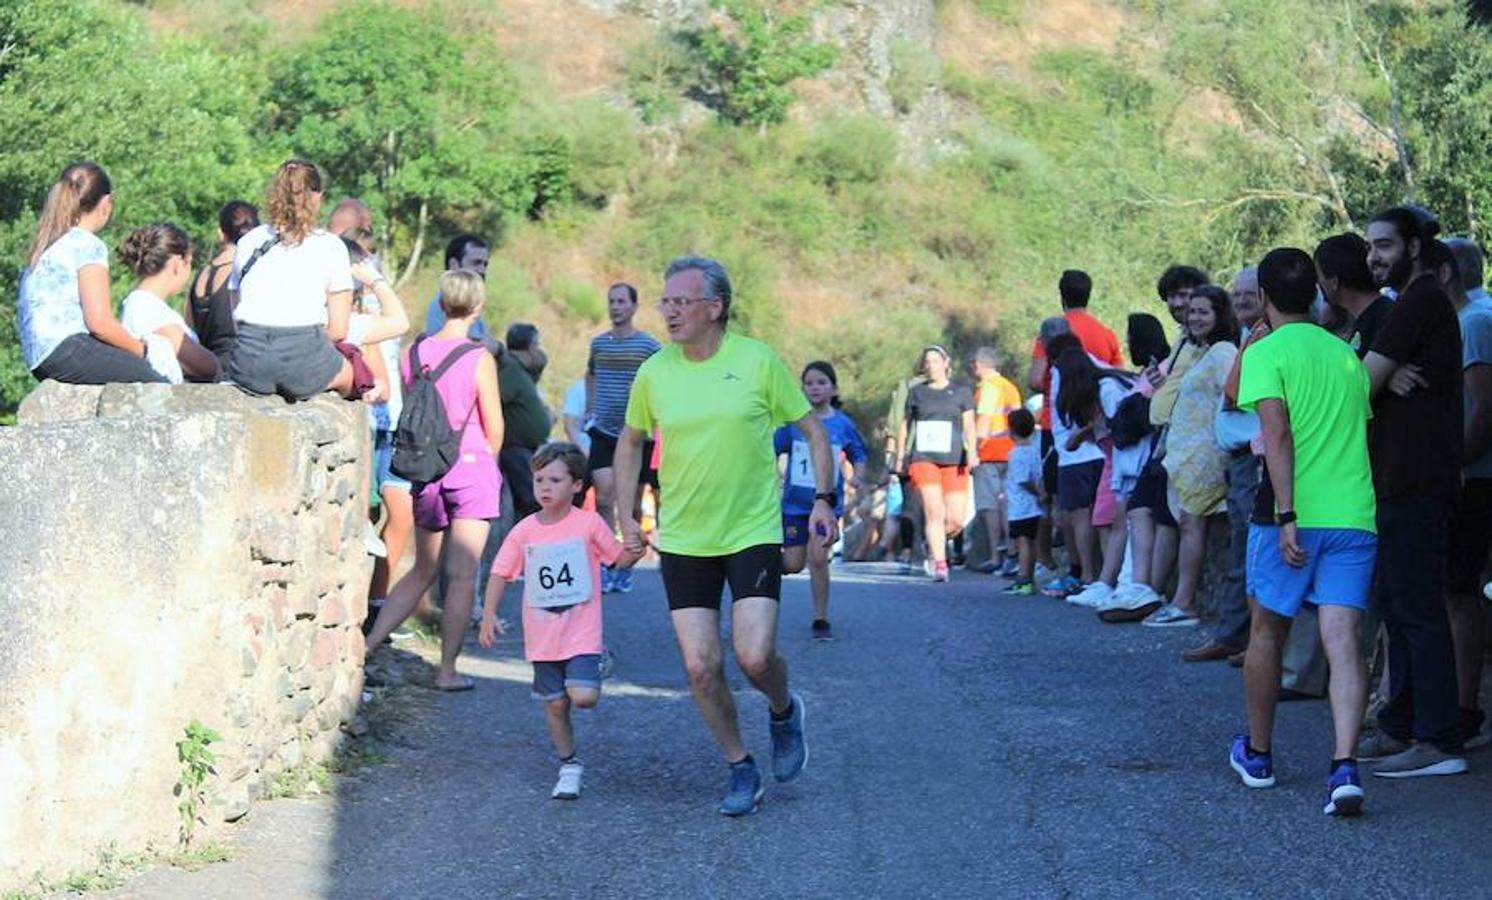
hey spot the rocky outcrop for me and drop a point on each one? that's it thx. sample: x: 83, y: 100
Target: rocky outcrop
x: 172, y: 554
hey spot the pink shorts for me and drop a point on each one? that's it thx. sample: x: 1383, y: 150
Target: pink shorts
x: 1105, y: 504
x: 471, y: 490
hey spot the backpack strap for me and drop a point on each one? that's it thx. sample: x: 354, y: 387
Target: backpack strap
x: 249, y: 263
x: 450, y: 360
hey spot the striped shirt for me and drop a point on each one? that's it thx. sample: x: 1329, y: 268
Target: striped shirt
x: 613, y: 365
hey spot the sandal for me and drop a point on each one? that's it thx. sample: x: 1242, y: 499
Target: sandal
x: 462, y: 683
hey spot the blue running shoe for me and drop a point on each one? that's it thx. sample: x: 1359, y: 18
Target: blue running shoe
x: 1257, y: 771
x: 745, y: 795
x: 1062, y: 586
x: 621, y: 581
x: 608, y: 579
x: 1344, y: 791
x: 789, y: 748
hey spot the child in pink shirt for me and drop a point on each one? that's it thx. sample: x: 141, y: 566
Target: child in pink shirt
x: 558, y: 552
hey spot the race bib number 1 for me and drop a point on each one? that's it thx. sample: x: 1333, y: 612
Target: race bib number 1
x: 934, y: 436
x: 800, y: 465
x: 556, y: 574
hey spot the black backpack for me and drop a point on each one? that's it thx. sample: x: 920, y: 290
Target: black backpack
x: 425, y: 444
x: 1131, y: 421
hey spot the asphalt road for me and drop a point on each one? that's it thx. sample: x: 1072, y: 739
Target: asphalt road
x: 964, y: 743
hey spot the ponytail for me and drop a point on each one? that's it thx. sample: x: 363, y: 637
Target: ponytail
x: 78, y: 190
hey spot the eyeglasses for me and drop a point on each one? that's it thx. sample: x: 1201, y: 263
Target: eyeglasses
x: 670, y: 303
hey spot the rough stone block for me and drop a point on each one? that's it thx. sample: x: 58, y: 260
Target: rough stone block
x: 53, y: 401
x: 274, y: 538
x: 332, y: 611
x: 326, y: 650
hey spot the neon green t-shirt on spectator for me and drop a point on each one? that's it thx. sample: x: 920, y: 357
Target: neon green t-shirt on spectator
x: 1325, y: 390
x: 718, y: 474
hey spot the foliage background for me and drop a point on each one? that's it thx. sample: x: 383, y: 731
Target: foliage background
x: 1116, y: 136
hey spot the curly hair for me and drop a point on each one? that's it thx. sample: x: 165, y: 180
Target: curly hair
x: 293, y: 202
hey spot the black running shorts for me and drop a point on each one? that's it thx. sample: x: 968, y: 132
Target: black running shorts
x: 699, y: 581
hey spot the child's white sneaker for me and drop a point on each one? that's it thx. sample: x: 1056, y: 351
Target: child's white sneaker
x: 568, y: 786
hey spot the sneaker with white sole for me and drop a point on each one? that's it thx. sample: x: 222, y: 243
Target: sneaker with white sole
x: 1134, y: 596
x: 1375, y: 744
x: 1419, y: 761
x: 1095, y: 596
x: 1256, y: 770
x: 1171, y: 616
x: 568, y: 785
x: 1344, y: 791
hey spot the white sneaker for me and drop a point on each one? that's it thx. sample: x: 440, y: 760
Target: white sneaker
x: 568, y: 785
x: 372, y: 543
x: 1043, y: 574
x: 1133, y: 596
x: 1095, y: 596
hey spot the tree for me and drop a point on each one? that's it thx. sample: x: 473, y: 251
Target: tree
x: 403, y: 116
x: 748, y: 66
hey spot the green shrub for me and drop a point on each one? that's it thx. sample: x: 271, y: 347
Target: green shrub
x: 851, y: 150
x: 579, y: 299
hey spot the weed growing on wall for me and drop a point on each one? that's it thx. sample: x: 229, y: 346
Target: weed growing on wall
x: 194, y: 751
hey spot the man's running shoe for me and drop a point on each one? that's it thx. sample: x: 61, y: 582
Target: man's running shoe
x: 1344, y: 791
x: 568, y: 785
x: 1419, y: 761
x: 608, y: 579
x: 822, y: 632
x: 1011, y: 568
x: 988, y: 567
x: 1255, y: 769
x: 1061, y: 586
x: 1375, y: 744
x: 1022, y: 589
x: 621, y: 581
x: 789, y: 748
x: 744, y: 796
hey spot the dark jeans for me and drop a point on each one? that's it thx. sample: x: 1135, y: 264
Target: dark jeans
x: 84, y: 359
x: 1232, y: 596
x: 516, y: 465
x: 1410, y: 598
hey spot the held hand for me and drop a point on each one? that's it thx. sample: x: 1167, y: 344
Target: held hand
x: 824, y: 523
x: 379, y: 393
x: 365, y: 274
x: 1407, y: 379
x: 1290, y: 549
x: 1154, y: 375
x: 632, y: 536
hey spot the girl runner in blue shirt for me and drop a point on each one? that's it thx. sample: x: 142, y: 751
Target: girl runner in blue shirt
x: 821, y: 387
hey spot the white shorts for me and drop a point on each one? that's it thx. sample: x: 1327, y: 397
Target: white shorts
x: 989, y: 481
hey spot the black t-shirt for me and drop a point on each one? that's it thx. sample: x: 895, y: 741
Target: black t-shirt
x: 1415, y: 441
x: 935, y: 423
x: 1365, y: 329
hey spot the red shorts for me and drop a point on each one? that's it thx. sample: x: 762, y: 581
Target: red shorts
x: 954, y: 479
x: 471, y: 490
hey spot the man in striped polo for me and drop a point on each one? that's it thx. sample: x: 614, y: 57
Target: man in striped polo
x: 614, y: 359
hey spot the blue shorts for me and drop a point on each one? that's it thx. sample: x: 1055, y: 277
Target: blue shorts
x: 383, y: 455
x: 1338, y: 569
x: 794, y: 531
x: 551, y: 677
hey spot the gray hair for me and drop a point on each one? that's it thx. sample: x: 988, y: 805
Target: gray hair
x: 1052, y: 327
x: 986, y: 355
x: 1469, y: 260
x: 712, y: 273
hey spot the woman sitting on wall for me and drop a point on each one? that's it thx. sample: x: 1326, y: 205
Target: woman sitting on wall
x: 160, y: 256
x: 209, y: 310
x: 67, y: 324
x: 294, y: 283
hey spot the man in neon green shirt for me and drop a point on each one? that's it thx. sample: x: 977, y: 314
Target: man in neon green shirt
x: 717, y: 398
x: 1311, y: 394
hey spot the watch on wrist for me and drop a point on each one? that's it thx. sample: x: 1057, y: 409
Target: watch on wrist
x: 1285, y: 518
x: 829, y: 497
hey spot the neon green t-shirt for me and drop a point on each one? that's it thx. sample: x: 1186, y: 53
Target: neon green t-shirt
x: 716, y: 418
x: 1325, y: 390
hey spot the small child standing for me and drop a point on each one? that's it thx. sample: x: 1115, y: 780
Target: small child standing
x: 1024, y: 494
x: 558, y: 551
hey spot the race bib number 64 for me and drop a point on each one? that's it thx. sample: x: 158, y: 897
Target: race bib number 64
x: 556, y: 574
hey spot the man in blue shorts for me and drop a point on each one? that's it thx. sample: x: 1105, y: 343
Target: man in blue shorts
x: 1311, y: 394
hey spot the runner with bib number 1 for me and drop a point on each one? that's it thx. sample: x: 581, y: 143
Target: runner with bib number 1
x: 558, y: 551
x: 821, y: 387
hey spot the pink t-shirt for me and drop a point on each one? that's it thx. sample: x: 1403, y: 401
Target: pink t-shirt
x: 548, y: 556
x: 457, y: 388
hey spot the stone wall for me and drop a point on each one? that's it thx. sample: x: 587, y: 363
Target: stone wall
x: 169, y: 554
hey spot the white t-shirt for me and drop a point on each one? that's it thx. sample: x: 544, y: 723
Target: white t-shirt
x: 1024, y: 466
x: 144, y: 314
x: 575, y: 407
x: 1087, y: 451
x: 287, y: 287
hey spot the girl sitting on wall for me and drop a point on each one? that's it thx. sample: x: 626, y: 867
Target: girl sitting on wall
x: 161, y: 257
x: 67, y: 324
